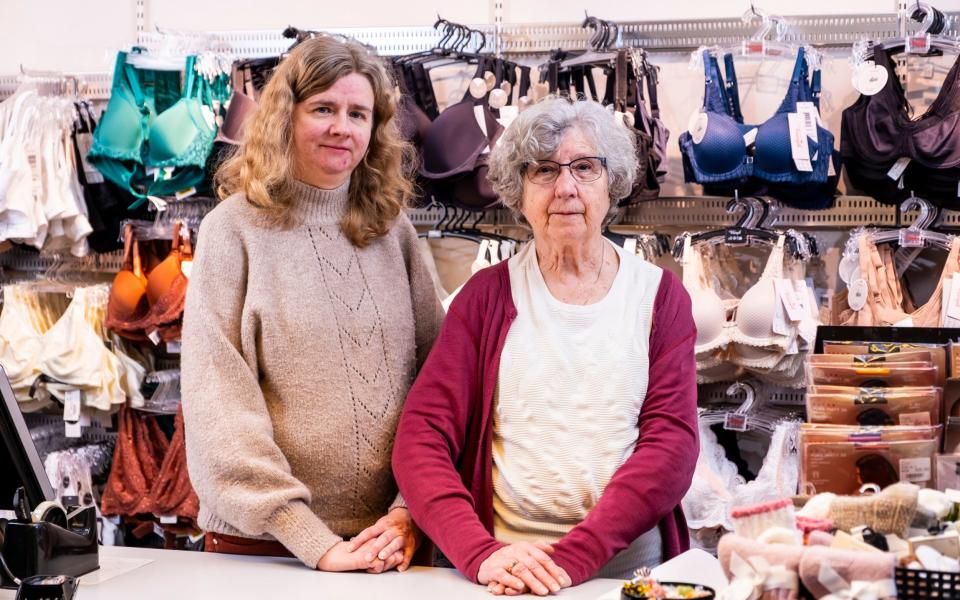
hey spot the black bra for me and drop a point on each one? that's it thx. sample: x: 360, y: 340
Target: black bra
x: 877, y: 132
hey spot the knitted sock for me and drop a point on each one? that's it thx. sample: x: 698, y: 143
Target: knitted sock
x: 890, y: 511
x: 752, y: 521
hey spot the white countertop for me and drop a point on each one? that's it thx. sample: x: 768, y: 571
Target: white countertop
x: 180, y: 574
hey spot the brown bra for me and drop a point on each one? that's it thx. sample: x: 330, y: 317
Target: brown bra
x: 140, y: 450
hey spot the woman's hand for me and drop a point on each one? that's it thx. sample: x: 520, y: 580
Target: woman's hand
x: 341, y: 557
x: 513, y: 569
x: 393, y: 540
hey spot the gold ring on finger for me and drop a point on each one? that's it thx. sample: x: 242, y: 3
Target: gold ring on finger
x: 512, y: 565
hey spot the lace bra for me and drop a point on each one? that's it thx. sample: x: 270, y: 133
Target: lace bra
x: 717, y: 486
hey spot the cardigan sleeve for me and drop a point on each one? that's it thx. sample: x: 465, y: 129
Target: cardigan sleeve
x: 236, y: 467
x: 653, y: 481
x: 432, y: 439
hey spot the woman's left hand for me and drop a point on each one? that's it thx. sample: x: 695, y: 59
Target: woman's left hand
x: 394, y: 533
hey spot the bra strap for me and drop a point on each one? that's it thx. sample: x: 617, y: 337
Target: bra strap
x: 524, y: 81
x: 189, y: 77
x: 732, y: 88
x: 650, y: 74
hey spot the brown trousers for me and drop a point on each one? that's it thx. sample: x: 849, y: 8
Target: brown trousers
x: 230, y: 544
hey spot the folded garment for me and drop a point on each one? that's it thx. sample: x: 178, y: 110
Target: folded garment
x: 826, y: 571
x: 768, y: 569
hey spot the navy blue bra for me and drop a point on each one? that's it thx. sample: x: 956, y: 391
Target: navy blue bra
x: 757, y: 158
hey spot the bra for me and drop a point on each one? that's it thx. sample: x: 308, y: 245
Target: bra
x: 248, y: 77
x: 137, y: 460
x: 877, y: 131
x: 717, y: 486
x: 885, y: 303
x: 758, y: 157
x: 132, y: 137
x: 150, y: 306
x: 739, y: 333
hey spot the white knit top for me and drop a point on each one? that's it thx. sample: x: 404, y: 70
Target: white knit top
x: 571, y: 383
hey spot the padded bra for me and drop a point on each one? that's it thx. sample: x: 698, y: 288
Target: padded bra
x: 877, y: 131
x: 723, y: 156
x: 132, y: 137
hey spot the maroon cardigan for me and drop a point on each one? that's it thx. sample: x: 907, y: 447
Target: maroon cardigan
x: 442, y: 456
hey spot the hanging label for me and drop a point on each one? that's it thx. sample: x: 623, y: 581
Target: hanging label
x: 917, y: 44
x: 72, y: 430
x: 794, y: 347
x: 798, y: 143
x: 907, y: 322
x: 849, y: 268
x: 750, y: 137
x: 857, y: 294
x: 953, y: 305
x: 85, y: 418
x: 920, y: 419
x: 735, y: 422
x: 168, y: 519
x: 699, y: 129
x: 912, y: 238
x: 811, y: 118
x: 792, y: 302
x: 173, y: 347
x: 190, y: 191
x: 869, y: 78
x: 780, y: 324
x: 480, y: 117
x: 71, y: 406
x: 808, y: 331
x: 915, y: 470
x: 154, y: 337
x: 186, y: 267
x: 168, y: 172
x: 831, y: 170
x: 508, y: 114
x: 630, y: 245
x: 159, y: 204
x: 898, y: 168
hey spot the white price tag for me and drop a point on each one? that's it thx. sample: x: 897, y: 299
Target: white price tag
x: 953, y: 301
x: 808, y: 331
x: 154, y: 337
x: 630, y: 245
x: 182, y: 194
x: 699, y: 128
x: 481, y: 119
x: 857, y: 294
x: 792, y: 302
x: 907, y: 322
x: 71, y: 406
x: 85, y: 418
x: 915, y: 470
x: 186, y: 267
x: 811, y: 108
x: 850, y: 268
x: 750, y: 137
x: 508, y: 114
x: 72, y: 430
x: 920, y: 419
x: 898, y: 168
x: 173, y: 347
x: 831, y: 170
x: 798, y: 143
x: 869, y: 78
x: 810, y: 117
x: 780, y: 324
x: 168, y: 519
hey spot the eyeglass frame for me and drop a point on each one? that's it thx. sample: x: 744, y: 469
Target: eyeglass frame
x: 560, y: 166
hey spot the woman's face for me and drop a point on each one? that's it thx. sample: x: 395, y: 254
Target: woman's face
x: 331, y: 131
x: 567, y: 210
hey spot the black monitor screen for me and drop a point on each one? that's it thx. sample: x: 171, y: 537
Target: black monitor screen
x: 20, y: 464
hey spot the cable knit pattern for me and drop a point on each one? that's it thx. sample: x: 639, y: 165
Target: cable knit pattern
x: 298, y: 350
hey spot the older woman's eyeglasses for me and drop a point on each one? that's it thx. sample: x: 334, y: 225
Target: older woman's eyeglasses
x: 584, y: 170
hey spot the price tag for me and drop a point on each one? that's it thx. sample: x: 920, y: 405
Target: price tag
x: 173, y: 347
x: 154, y: 337
x: 735, y: 421
x: 812, y: 109
x: 808, y: 331
x: 850, y: 268
x: 898, y: 168
x: 780, y: 324
x: 831, y: 170
x: 869, y: 78
x: 792, y: 302
x: 72, y: 430
x: 168, y: 519
x: 917, y: 44
x: 953, y: 308
x: 811, y: 118
x: 750, y: 137
x: 186, y: 267
x: 920, y: 419
x: 798, y: 143
x: 915, y: 470
x: 71, y: 406
x: 630, y: 245
x: 857, y: 294
x: 508, y: 114
x: 907, y: 322
x: 183, y: 194
x: 700, y: 127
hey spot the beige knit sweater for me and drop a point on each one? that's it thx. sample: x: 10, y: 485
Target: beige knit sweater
x: 298, y: 350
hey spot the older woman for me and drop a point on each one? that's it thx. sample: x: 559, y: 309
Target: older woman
x: 552, y: 432
x: 307, y: 316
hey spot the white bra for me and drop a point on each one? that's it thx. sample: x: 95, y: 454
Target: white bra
x: 738, y: 334
x: 717, y: 486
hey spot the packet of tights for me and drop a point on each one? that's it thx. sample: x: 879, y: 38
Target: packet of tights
x: 839, y: 405
x: 938, y: 352
x: 816, y: 433
x: 844, y: 467
x: 948, y: 472
x: 914, y: 374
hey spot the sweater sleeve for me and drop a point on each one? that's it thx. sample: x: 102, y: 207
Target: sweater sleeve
x: 653, y: 481
x: 427, y: 311
x: 432, y: 438
x: 240, y: 474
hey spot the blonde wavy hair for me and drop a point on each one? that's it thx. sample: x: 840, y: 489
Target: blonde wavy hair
x: 263, y: 167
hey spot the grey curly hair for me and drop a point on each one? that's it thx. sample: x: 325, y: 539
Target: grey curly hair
x: 536, y: 134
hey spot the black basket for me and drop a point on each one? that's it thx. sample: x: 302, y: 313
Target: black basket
x: 914, y: 583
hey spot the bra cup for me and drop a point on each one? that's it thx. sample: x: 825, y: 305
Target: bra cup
x: 709, y: 317
x: 121, y: 124
x: 128, y: 298
x: 241, y: 109
x: 162, y: 277
x: 722, y: 149
x: 169, y: 135
x: 774, y: 153
x: 935, y: 146
x: 755, y: 314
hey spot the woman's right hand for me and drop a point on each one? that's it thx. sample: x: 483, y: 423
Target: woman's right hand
x: 524, y: 566
x: 340, y: 558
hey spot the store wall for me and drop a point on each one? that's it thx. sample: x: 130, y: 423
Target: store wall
x: 83, y: 36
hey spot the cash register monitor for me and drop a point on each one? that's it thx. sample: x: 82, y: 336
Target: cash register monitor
x: 20, y: 464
